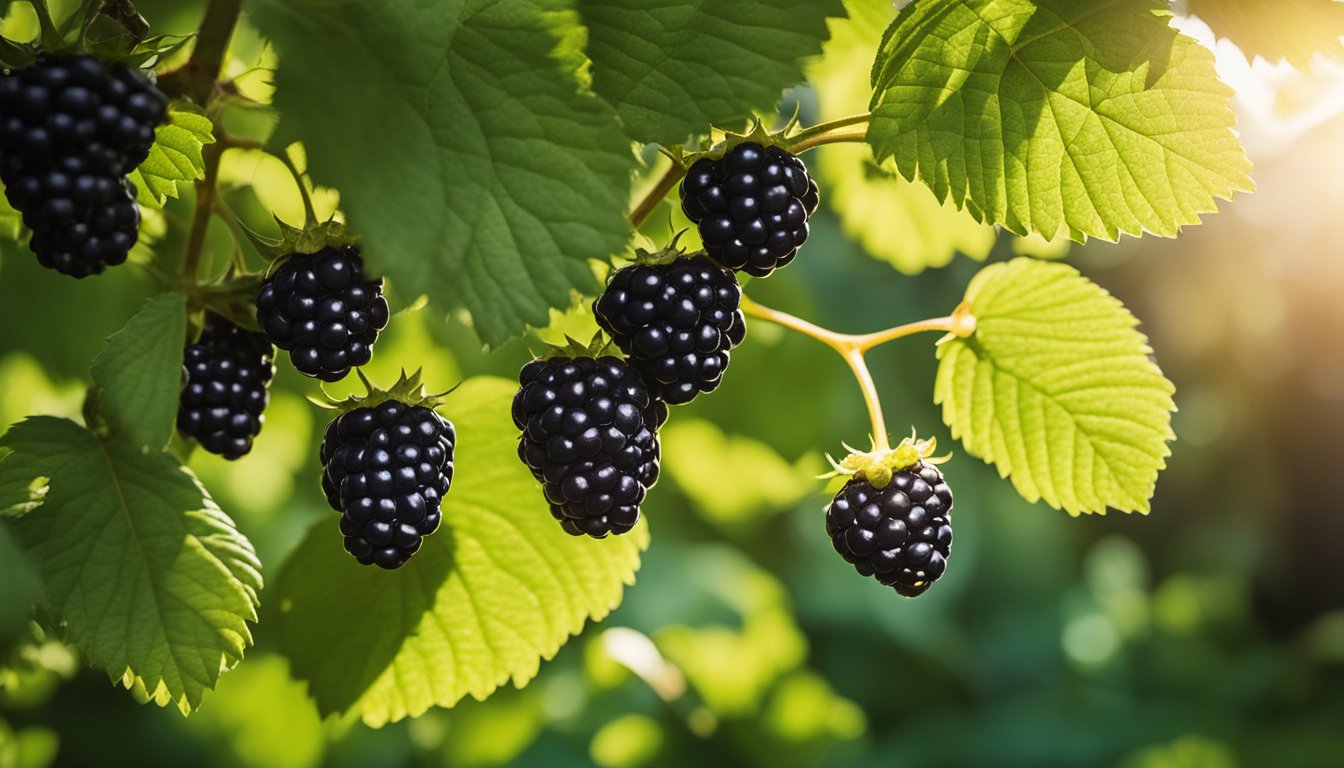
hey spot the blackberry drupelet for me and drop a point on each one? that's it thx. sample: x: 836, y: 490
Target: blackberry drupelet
x: 70, y: 130
x: 676, y: 322
x: 229, y: 371
x: 901, y: 534
x: 751, y: 207
x: 590, y: 436
x: 386, y: 469
x: 320, y: 307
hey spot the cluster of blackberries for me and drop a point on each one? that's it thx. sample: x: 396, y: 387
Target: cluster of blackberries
x: 321, y: 308
x: 386, y: 469
x: 70, y: 131
x: 676, y: 322
x: 590, y: 436
x: 751, y: 207
x: 900, y: 534
x: 229, y: 371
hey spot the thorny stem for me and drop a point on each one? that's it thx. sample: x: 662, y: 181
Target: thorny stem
x: 960, y: 324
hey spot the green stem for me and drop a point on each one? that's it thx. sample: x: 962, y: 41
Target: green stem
x: 961, y: 324
x: 309, y: 213
x: 832, y: 125
x: 195, y: 80
x: 798, y: 146
x: 200, y: 223
x: 51, y: 35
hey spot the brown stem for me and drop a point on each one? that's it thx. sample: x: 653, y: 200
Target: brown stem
x: 200, y: 223
x: 195, y: 80
x: 656, y: 195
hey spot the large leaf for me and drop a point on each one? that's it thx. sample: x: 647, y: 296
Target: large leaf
x: 466, y: 155
x: 152, y: 582
x: 895, y: 220
x: 175, y: 157
x: 1078, y: 118
x: 497, y: 589
x: 672, y: 68
x: 1284, y: 29
x: 138, y: 377
x: 1057, y: 389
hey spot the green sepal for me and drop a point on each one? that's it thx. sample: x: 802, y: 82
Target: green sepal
x: 599, y: 346
x: 309, y: 239
x: 877, y: 466
x: 665, y: 255
x: 15, y: 55
x: 408, y: 389
x: 757, y: 134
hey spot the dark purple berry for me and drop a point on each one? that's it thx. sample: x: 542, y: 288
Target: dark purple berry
x: 590, y: 437
x: 321, y: 308
x: 386, y: 469
x: 900, y: 535
x: 675, y: 322
x: 229, y: 373
x: 751, y: 207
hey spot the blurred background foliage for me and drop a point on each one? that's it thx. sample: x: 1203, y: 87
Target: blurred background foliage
x: 1207, y: 635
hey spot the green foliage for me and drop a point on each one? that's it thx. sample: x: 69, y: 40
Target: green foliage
x: 492, y: 178
x: 139, y: 375
x: 1060, y: 117
x: 499, y: 588
x: 672, y: 68
x: 152, y: 582
x: 1288, y: 29
x: 20, y: 588
x: 1057, y: 389
x: 175, y: 156
x: 897, y: 221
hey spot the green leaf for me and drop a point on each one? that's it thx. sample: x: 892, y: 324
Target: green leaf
x: 20, y: 588
x: 1285, y: 29
x: 175, y: 156
x: 150, y: 580
x: 497, y: 589
x: 672, y: 68
x: 1077, y: 118
x: 1057, y: 389
x: 895, y: 221
x: 468, y: 158
x: 138, y: 377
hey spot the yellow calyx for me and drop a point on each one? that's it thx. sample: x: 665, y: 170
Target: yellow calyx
x: 878, y: 466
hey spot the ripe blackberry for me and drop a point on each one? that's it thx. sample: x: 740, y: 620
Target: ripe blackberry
x: 752, y: 206
x: 386, y: 469
x: 676, y: 323
x: 320, y: 307
x: 900, y: 534
x: 590, y: 436
x: 70, y: 129
x: 229, y: 371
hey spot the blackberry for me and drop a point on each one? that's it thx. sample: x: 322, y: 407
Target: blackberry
x: 900, y: 534
x: 676, y: 323
x: 70, y: 130
x: 590, y: 436
x: 751, y: 207
x: 386, y: 469
x: 320, y: 307
x: 229, y: 371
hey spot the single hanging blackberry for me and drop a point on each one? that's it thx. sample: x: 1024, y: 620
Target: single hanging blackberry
x: 676, y: 322
x: 896, y: 526
x: 590, y: 436
x: 70, y: 130
x: 387, y: 463
x: 229, y: 373
x: 751, y: 207
x: 324, y: 311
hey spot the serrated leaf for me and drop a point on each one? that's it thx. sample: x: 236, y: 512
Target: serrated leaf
x: 1057, y: 389
x: 497, y: 589
x: 468, y: 158
x: 175, y: 156
x: 20, y: 588
x: 138, y: 377
x: 1077, y: 118
x: 1285, y: 29
x: 896, y: 221
x: 150, y: 580
x: 673, y: 68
